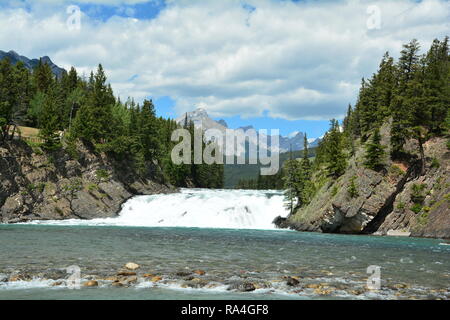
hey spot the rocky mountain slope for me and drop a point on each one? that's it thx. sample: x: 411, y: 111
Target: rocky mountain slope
x: 30, y: 64
x: 39, y: 186
x: 200, y: 118
x: 397, y: 201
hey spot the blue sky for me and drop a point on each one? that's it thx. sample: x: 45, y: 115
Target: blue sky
x: 273, y: 64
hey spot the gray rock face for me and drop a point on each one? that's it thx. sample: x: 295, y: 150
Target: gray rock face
x: 36, y: 186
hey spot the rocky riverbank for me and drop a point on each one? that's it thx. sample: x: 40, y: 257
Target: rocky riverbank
x: 399, y: 200
x: 306, y: 283
x: 56, y: 185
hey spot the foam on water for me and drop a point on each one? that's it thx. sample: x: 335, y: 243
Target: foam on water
x: 197, y: 208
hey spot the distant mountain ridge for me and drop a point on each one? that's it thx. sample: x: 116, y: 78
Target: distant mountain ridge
x: 30, y: 64
x: 200, y: 118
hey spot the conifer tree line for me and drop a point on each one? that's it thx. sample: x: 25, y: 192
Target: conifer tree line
x: 413, y: 93
x: 86, y: 110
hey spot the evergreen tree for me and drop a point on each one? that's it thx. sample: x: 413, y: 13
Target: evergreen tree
x: 335, y: 156
x: 374, y: 156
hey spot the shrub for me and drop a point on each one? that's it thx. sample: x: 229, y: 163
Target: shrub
x: 102, y: 174
x: 92, y: 187
x: 417, y: 195
x: 334, y: 191
x: 416, y: 208
x: 401, y: 205
x: 435, y: 163
x: 352, y: 188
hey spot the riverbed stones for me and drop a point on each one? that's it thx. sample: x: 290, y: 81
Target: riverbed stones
x: 132, y: 266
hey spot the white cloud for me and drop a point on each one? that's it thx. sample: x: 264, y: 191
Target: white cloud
x: 296, y: 60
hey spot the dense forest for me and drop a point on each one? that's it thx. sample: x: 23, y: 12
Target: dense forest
x: 412, y: 93
x: 71, y: 109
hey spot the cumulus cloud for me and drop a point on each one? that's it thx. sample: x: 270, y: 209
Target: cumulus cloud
x: 299, y: 60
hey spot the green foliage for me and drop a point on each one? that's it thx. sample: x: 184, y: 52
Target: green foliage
x: 102, y: 174
x: 423, y: 218
x: 435, y: 163
x: 395, y: 171
x: 36, y: 187
x: 334, y: 191
x: 401, y: 205
x: 374, y: 152
x: 353, y: 188
x: 92, y: 187
x: 417, y: 193
x: 416, y: 208
x: 331, y: 151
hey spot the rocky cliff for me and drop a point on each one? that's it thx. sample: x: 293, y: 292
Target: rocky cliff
x: 399, y: 200
x: 37, y: 185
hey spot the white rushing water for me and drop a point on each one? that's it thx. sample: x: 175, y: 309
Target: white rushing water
x: 201, y: 208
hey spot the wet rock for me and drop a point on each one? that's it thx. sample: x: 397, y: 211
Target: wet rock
x: 292, y: 282
x: 196, y: 283
x: 132, y: 266
x: 130, y: 280
x: 148, y: 275
x: 55, y: 274
x: 20, y: 277
x: 3, y: 278
x: 242, y: 286
x: 182, y: 273
x: 199, y: 272
x: 90, y: 283
x: 117, y: 284
x: 126, y: 273
x: 57, y: 283
x: 156, y: 279
x: 398, y: 286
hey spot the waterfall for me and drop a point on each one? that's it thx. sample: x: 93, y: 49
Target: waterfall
x: 199, y: 208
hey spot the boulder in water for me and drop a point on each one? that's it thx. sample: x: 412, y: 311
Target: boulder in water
x: 91, y: 283
x: 199, y: 272
x: 132, y: 266
x: 291, y: 281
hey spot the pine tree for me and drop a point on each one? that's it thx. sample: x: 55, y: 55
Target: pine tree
x: 49, y: 121
x: 43, y: 78
x: 374, y: 156
x: 334, y: 153
x: 406, y: 68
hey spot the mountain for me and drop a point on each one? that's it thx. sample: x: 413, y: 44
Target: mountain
x: 30, y: 64
x: 200, y: 118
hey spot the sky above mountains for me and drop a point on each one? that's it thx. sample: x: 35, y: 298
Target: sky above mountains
x: 291, y: 65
